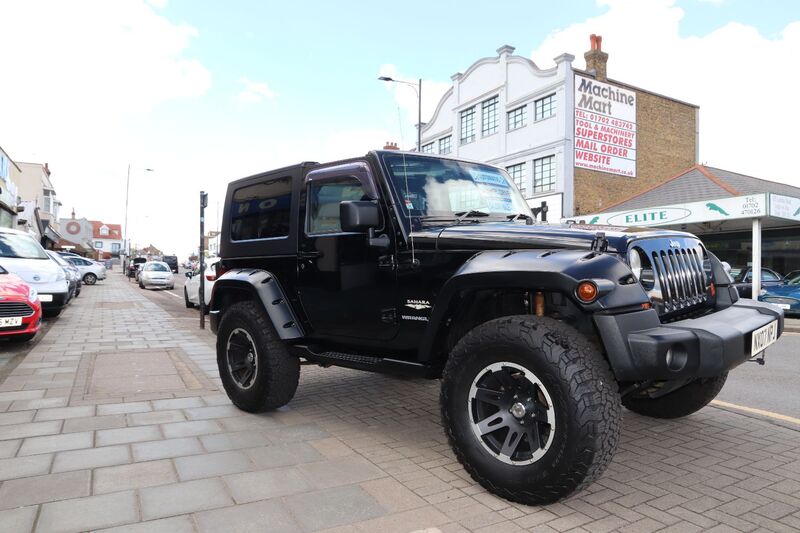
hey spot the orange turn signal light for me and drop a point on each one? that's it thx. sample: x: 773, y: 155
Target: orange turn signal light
x: 586, y: 292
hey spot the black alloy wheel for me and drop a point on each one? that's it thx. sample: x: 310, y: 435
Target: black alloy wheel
x: 511, y: 412
x: 242, y: 358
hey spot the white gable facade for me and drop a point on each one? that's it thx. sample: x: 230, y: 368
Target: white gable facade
x: 506, y: 111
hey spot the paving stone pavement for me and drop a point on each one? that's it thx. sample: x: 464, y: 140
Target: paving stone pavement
x: 354, y: 452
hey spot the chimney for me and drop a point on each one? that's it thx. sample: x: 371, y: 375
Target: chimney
x: 47, y: 169
x: 596, y: 59
x: 391, y: 146
x: 73, y: 213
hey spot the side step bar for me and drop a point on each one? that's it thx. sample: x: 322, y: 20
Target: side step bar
x: 365, y: 362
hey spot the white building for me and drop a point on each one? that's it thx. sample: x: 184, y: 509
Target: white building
x: 571, y: 139
x: 506, y: 111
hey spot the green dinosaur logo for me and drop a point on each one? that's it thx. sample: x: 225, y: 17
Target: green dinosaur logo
x: 796, y: 212
x: 595, y: 219
x: 714, y: 207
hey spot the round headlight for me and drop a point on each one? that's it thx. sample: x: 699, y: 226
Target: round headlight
x: 635, y: 262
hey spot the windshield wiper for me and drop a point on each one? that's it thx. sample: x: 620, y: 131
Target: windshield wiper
x: 461, y: 215
x: 528, y: 219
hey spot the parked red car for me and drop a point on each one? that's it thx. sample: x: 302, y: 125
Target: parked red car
x: 20, y: 308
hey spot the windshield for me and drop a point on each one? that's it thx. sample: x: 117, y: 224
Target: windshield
x: 431, y: 187
x: 20, y: 246
x: 57, y: 258
x: 156, y: 267
x: 793, y: 279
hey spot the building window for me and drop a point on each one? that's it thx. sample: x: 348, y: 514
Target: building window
x: 444, y: 145
x: 489, y: 116
x: 517, y: 173
x: 545, y: 107
x: 544, y: 174
x: 468, y: 125
x: 98, y: 245
x: 48, y: 201
x: 427, y: 148
x: 103, y: 230
x: 517, y: 117
x: 115, y: 247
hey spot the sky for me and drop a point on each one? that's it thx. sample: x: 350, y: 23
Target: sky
x: 205, y: 93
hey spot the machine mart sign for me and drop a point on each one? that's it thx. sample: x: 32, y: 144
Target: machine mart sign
x: 750, y: 206
x: 605, y: 127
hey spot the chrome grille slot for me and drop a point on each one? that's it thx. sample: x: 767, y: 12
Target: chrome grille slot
x: 11, y: 309
x: 680, y: 283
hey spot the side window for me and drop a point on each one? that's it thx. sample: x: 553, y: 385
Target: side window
x: 262, y: 211
x: 766, y: 275
x: 749, y: 277
x: 323, y: 203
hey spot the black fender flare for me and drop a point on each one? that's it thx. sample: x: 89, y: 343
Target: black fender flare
x: 265, y: 288
x: 545, y: 270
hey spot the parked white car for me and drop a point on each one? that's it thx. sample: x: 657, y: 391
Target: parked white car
x: 90, y: 270
x: 22, y: 254
x: 191, y: 290
x: 156, y: 274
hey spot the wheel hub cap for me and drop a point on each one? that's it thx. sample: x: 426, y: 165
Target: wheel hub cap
x: 518, y: 410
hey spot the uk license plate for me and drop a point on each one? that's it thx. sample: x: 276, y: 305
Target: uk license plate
x: 784, y: 306
x: 763, y: 337
x: 10, y: 321
x: 45, y: 297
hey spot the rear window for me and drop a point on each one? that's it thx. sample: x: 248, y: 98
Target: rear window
x: 261, y: 211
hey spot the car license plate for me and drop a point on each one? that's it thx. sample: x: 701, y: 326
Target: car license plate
x: 763, y: 337
x: 45, y: 297
x: 10, y: 321
x: 784, y: 306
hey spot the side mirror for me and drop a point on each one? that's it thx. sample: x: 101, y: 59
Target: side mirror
x: 189, y: 275
x: 359, y: 216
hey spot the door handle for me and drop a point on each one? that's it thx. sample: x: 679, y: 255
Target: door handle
x: 309, y: 255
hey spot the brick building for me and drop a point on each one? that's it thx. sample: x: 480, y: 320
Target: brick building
x: 573, y: 139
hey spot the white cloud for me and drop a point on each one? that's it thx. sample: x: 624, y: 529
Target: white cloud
x: 742, y: 80
x: 406, y: 98
x: 81, y: 81
x: 255, y: 92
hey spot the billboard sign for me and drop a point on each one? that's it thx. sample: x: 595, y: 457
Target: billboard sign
x: 736, y: 207
x: 605, y: 127
x: 786, y: 207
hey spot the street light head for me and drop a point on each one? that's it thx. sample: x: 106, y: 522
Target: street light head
x: 385, y: 78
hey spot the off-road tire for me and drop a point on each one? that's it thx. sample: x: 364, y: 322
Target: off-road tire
x: 189, y: 305
x: 682, y: 402
x: 585, y: 399
x: 277, y: 373
x: 90, y: 279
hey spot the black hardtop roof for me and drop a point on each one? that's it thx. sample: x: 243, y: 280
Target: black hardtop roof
x: 308, y: 165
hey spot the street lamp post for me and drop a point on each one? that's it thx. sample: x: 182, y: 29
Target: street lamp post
x: 418, y: 89
x: 127, y: 190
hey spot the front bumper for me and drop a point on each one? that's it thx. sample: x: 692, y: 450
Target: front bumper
x: 640, y: 348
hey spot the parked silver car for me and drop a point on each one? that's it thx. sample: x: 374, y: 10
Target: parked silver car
x: 156, y: 274
x: 91, y: 271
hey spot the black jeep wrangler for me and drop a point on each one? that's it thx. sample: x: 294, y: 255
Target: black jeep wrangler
x: 416, y: 264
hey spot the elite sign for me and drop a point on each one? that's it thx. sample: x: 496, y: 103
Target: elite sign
x: 605, y: 127
x: 750, y: 206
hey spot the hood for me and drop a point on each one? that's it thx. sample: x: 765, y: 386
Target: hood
x: 46, y: 270
x: 783, y: 290
x: 509, y: 235
x: 12, y: 286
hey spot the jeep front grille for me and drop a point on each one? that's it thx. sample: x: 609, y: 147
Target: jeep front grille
x: 680, y: 278
x: 680, y: 275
